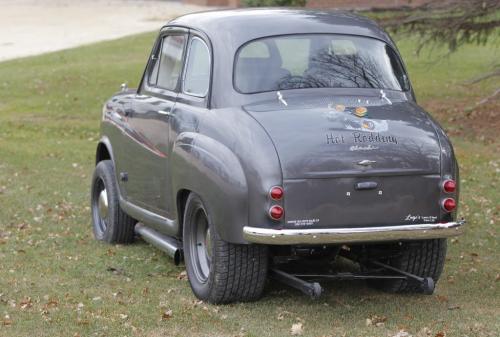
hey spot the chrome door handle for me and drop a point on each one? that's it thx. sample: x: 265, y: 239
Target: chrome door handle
x: 165, y: 112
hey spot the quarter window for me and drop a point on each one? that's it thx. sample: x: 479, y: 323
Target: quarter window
x: 167, y: 65
x: 197, y: 73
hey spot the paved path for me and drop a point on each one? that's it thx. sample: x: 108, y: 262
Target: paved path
x: 30, y: 27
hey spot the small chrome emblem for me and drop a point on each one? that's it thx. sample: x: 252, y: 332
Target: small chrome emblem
x: 366, y: 162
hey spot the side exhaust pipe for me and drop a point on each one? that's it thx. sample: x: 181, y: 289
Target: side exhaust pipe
x: 165, y: 243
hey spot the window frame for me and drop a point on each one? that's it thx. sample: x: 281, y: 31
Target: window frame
x: 155, y: 90
x: 409, y: 88
x: 185, y: 66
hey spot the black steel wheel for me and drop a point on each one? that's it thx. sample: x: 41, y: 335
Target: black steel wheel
x: 219, y: 271
x: 109, y: 222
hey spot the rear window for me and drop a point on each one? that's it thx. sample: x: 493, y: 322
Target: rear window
x: 317, y: 61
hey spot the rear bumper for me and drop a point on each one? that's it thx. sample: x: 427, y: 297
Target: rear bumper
x: 350, y: 235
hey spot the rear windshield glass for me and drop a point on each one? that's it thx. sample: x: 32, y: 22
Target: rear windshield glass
x: 317, y: 61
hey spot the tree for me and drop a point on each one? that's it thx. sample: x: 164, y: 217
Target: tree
x: 450, y: 22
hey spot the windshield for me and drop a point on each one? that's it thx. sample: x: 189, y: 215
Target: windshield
x: 317, y: 61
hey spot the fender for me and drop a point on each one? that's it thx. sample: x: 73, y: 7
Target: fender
x: 210, y: 169
x: 103, y: 142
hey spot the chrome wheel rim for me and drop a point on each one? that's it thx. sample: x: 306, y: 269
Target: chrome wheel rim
x: 100, y: 205
x: 103, y: 204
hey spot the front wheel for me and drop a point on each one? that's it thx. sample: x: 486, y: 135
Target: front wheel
x: 109, y: 222
x: 219, y: 271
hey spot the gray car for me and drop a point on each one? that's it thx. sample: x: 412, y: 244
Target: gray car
x: 259, y: 136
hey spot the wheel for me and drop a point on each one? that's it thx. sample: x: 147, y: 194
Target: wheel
x: 423, y: 258
x: 219, y: 271
x: 109, y: 222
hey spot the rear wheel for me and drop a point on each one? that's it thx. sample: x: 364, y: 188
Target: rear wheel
x: 109, y: 222
x: 219, y: 271
x: 423, y: 258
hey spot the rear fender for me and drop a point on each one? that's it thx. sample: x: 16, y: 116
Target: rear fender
x: 211, y: 170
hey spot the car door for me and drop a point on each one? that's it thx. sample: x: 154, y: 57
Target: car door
x: 148, y: 184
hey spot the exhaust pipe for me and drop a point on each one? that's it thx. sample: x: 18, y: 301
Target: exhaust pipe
x: 165, y: 243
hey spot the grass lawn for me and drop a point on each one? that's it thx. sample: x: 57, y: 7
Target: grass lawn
x: 56, y: 280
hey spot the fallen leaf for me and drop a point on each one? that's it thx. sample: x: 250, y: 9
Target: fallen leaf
x: 26, y: 303
x: 282, y: 315
x: 376, y: 320
x: 123, y: 316
x: 454, y: 307
x: 6, y: 321
x: 297, y: 329
x: 166, y: 315
x: 440, y: 334
x: 402, y: 333
x: 442, y: 298
x: 82, y: 321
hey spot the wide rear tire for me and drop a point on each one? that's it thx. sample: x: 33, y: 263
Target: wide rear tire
x: 109, y: 222
x: 219, y: 271
x: 423, y: 258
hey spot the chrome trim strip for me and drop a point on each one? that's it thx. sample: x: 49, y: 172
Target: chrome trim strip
x: 350, y: 235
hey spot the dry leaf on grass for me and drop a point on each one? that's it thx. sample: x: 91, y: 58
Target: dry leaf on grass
x: 376, y: 320
x: 402, y: 333
x: 6, y: 321
x: 26, y: 303
x: 182, y: 275
x: 297, y: 329
x: 282, y: 315
x: 166, y: 315
x: 442, y: 298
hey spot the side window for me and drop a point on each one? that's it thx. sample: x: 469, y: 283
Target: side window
x: 167, y: 68
x: 197, y: 73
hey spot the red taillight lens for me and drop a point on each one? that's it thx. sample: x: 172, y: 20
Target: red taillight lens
x: 276, y: 212
x: 449, y: 204
x: 276, y: 193
x: 449, y: 186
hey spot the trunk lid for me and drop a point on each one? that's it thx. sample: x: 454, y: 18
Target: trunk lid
x: 328, y: 145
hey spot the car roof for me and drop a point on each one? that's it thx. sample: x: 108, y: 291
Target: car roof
x: 238, y: 26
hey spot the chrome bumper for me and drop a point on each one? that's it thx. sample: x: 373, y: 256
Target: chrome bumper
x: 350, y: 235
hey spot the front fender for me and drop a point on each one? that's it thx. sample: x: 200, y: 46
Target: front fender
x: 104, y: 147
x: 211, y: 170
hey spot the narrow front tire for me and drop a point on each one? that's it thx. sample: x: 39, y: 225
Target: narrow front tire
x: 109, y: 222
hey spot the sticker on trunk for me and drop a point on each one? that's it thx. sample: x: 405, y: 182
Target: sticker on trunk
x: 421, y: 218
x: 302, y: 222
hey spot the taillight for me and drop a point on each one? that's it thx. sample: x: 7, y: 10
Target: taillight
x: 449, y: 186
x: 276, y: 212
x: 276, y: 193
x: 448, y: 204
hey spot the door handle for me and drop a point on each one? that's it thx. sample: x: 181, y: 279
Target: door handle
x: 366, y: 185
x: 165, y: 112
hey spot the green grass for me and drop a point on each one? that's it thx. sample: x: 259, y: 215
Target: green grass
x: 55, y: 278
